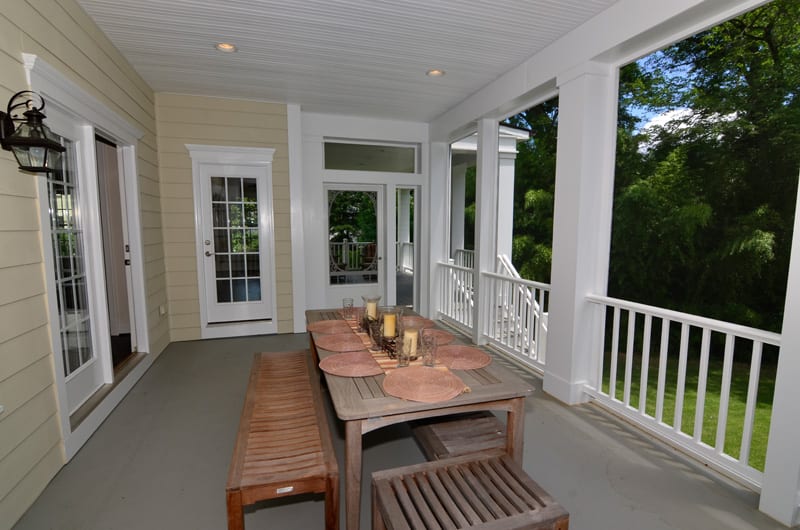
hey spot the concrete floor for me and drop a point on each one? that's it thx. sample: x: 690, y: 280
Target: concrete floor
x: 160, y: 460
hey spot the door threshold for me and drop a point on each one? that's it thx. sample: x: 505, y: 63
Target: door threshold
x: 120, y: 373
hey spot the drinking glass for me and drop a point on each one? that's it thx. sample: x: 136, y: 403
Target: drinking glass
x: 347, y: 308
x: 428, y: 341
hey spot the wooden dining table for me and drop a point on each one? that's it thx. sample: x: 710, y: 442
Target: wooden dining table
x: 363, y: 406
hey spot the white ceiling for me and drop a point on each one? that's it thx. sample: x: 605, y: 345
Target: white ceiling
x: 357, y: 57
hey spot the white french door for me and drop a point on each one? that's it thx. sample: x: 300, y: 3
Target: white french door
x: 236, y: 250
x: 75, y: 326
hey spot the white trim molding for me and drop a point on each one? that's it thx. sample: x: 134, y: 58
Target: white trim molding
x: 219, y: 155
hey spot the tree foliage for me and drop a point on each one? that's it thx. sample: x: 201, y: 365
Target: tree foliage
x: 704, y: 202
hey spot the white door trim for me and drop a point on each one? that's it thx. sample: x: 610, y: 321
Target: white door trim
x: 204, y: 156
x: 69, y: 105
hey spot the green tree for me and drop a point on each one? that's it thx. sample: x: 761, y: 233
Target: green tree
x: 534, y: 185
x: 720, y: 179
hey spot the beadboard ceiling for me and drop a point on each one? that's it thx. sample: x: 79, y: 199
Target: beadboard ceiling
x: 356, y: 57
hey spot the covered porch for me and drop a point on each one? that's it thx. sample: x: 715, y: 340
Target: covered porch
x: 153, y: 449
x: 160, y: 460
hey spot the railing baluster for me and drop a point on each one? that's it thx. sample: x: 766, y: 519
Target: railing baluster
x: 626, y: 393
x: 612, y: 368
x: 643, y: 382
x: 750, y: 405
x: 681, y: 386
x: 725, y: 392
x: 663, y: 354
x: 702, y: 380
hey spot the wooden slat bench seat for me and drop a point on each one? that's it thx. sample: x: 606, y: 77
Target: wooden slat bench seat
x: 284, y: 444
x: 490, y: 491
x: 459, y: 434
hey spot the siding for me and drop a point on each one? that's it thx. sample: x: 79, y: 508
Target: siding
x: 185, y: 120
x: 31, y: 449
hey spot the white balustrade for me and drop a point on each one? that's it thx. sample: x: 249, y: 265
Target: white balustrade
x: 517, y: 316
x: 457, y: 290
x: 688, y: 401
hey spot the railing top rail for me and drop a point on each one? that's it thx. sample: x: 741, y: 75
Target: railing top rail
x: 454, y: 266
x: 721, y: 326
x: 520, y: 281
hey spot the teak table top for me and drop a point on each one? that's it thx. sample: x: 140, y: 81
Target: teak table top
x: 363, y: 397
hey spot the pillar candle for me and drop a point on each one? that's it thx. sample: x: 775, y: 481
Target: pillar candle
x: 410, y: 338
x: 372, y: 310
x: 389, y: 324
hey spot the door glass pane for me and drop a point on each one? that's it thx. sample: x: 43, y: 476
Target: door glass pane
x: 371, y: 157
x: 236, y: 261
x: 405, y: 246
x: 352, y: 236
x: 70, y: 277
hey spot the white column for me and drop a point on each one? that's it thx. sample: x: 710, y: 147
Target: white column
x: 581, y: 224
x: 458, y: 186
x: 485, y: 218
x: 505, y: 204
x: 434, y: 213
x: 779, y: 489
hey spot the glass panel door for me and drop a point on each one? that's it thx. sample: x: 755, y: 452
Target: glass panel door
x: 236, y: 249
x: 72, y: 333
x: 355, y: 241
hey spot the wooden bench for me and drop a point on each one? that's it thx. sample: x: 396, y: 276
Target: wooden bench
x: 284, y: 444
x: 459, y: 434
x: 489, y: 491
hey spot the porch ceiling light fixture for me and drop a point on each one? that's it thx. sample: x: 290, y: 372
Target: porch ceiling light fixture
x: 226, y: 47
x: 36, y: 148
x: 435, y: 72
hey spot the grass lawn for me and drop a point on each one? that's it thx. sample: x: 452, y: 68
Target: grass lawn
x: 737, y: 402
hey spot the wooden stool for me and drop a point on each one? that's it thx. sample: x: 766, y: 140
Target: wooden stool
x: 487, y: 491
x: 459, y: 434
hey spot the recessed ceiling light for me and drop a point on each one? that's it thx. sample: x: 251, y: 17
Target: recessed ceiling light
x: 434, y: 72
x: 226, y: 47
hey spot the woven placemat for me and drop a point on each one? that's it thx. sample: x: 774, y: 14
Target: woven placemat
x: 339, y: 342
x: 351, y: 364
x: 423, y: 384
x: 329, y: 326
x: 460, y: 357
x: 442, y: 337
x: 418, y: 322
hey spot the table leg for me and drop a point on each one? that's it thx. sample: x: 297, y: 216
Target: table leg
x: 352, y: 477
x: 515, y: 429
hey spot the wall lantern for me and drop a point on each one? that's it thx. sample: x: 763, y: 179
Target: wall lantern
x: 36, y: 148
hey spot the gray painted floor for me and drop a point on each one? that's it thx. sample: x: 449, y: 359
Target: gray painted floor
x: 160, y: 460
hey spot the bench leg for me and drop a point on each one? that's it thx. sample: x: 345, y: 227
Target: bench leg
x: 332, y: 503
x: 235, y: 510
x: 377, y: 519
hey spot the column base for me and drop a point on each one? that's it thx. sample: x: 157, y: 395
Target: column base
x: 563, y: 390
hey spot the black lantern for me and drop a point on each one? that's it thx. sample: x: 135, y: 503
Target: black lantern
x: 36, y: 148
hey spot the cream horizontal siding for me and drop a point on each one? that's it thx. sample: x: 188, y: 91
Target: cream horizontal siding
x: 185, y: 120
x: 61, y: 34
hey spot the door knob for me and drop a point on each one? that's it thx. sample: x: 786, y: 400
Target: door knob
x: 209, y: 253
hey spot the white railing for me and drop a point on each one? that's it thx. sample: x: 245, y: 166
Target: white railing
x: 464, y: 258
x: 405, y: 256
x: 456, y: 295
x: 517, y: 316
x: 352, y: 258
x: 686, y: 398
